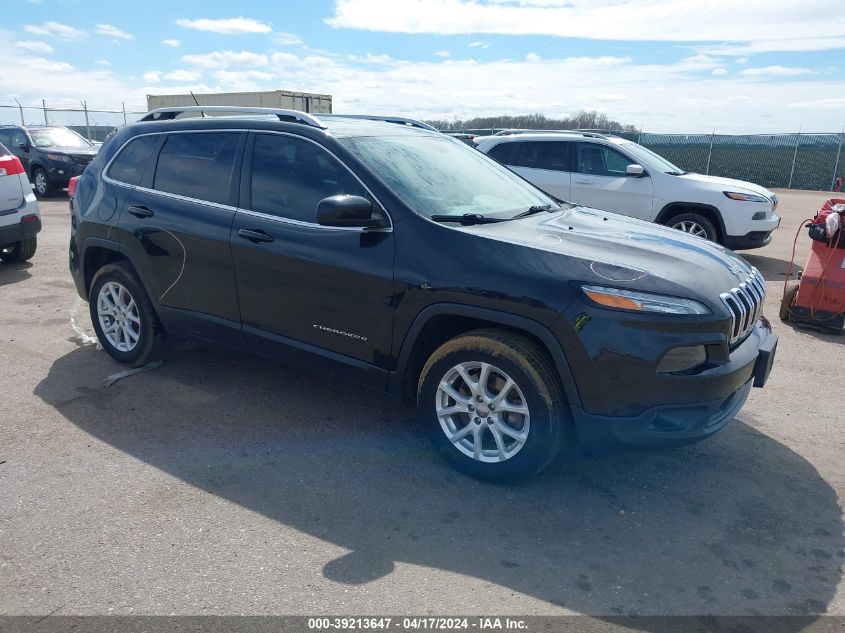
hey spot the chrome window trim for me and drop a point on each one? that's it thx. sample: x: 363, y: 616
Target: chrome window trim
x: 226, y: 207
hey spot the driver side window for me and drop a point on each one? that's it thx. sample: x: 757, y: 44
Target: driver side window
x: 600, y: 160
x: 290, y: 176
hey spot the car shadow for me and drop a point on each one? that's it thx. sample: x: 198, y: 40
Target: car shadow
x: 739, y: 524
x: 772, y: 268
x: 13, y: 273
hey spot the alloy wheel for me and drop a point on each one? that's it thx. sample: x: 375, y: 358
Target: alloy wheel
x: 41, y: 182
x: 119, y: 317
x: 483, y: 412
x: 693, y: 228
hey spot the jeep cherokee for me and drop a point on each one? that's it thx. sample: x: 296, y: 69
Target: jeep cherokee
x: 400, y: 258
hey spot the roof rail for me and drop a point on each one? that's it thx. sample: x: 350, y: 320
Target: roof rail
x: 580, y: 132
x: 388, y: 119
x: 169, y: 113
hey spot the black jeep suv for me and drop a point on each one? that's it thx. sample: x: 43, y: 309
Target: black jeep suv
x: 51, y: 155
x: 402, y: 259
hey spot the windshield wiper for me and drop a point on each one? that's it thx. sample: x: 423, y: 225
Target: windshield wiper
x: 537, y: 208
x: 467, y: 218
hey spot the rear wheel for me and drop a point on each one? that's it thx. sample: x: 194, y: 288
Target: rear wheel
x: 42, y: 183
x: 493, y: 405
x: 19, y: 251
x: 123, y: 316
x: 788, y: 300
x: 694, y: 224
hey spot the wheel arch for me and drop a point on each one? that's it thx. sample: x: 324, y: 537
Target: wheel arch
x: 96, y: 253
x: 440, y: 322
x: 707, y: 210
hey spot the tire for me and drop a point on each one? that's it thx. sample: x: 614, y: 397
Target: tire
x: 694, y: 224
x: 43, y: 187
x: 138, y: 338
x: 536, y: 385
x: 19, y: 251
x: 788, y: 300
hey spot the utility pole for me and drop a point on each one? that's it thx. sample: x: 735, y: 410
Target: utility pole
x: 87, y: 124
x: 20, y: 107
x: 710, y: 152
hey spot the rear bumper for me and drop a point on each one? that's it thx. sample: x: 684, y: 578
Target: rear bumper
x: 682, y: 423
x: 18, y: 231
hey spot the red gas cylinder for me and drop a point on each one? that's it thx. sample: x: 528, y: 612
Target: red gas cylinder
x: 821, y: 292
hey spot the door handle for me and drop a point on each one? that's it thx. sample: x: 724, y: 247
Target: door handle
x: 256, y: 236
x: 141, y: 212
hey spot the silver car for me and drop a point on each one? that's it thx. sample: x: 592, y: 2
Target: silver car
x: 20, y: 220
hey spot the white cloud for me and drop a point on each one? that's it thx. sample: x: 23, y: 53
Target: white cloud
x: 231, y: 76
x: 718, y: 72
x: 284, y: 59
x: 775, y: 71
x: 636, y: 20
x: 369, y: 58
x: 741, y: 60
x: 800, y: 45
x: 112, y: 31
x: 286, y: 39
x: 153, y: 76
x: 183, y: 75
x: 171, y: 43
x: 227, y: 26
x: 532, y: 57
x: 48, y: 65
x: 56, y: 29
x: 224, y: 59
x: 443, y: 53
x: 35, y: 47
x: 834, y: 103
x: 479, y: 45
x: 103, y: 62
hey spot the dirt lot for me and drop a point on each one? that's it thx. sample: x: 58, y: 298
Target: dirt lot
x: 223, y: 483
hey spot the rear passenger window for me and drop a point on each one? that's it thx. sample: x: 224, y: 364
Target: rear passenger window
x: 130, y: 163
x: 5, y: 138
x: 543, y: 155
x: 197, y: 165
x: 290, y: 176
x: 503, y: 152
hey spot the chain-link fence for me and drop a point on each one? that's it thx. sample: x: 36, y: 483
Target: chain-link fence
x: 793, y: 161
x: 94, y: 124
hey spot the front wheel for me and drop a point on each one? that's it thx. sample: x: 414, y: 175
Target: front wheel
x: 493, y: 405
x: 42, y: 183
x: 123, y: 317
x: 694, y: 224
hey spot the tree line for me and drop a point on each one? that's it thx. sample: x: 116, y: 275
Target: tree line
x: 584, y: 120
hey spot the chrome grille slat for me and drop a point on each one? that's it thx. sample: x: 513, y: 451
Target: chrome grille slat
x: 745, y: 304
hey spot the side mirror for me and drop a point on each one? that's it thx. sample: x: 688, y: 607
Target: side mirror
x: 24, y: 145
x: 635, y: 170
x: 348, y: 211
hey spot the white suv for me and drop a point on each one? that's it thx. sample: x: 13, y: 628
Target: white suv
x: 612, y: 174
x: 20, y: 220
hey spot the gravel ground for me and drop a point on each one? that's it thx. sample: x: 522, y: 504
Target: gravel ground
x: 221, y: 483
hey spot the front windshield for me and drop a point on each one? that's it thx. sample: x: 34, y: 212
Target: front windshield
x: 56, y: 137
x: 651, y: 160
x: 437, y: 175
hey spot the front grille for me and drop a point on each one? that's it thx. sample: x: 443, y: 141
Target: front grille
x: 745, y: 304
x: 82, y: 160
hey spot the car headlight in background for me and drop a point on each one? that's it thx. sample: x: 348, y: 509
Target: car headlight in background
x: 636, y: 301
x: 745, y: 197
x: 60, y: 158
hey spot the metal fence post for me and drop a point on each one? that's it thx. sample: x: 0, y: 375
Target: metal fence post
x: 20, y: 107
x: 87, y: 124
x: 710, y: 153
x: 794, y: 157
x: 123, y: 105
x: 44, y: 107
x: 836, y: 164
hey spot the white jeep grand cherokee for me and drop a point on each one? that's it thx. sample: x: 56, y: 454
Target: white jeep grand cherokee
x: 620, y: 176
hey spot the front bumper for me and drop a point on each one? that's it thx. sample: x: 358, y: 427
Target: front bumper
x: 682, y: 423
x: 757, y: 238
x: 61, y: 173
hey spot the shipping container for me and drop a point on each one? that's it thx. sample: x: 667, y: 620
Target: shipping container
x: 302, y: 101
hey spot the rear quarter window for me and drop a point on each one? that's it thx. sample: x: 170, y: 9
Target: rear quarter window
x: 129, y: 165
x: 503, y: 153
x: 198, y: 165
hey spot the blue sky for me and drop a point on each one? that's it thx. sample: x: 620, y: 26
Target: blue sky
x: 663, y: 65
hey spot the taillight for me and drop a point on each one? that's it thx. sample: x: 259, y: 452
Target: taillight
x: 11, y: 165
x: 71, y: 186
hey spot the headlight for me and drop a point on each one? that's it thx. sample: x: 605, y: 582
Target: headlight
x: 745, y: 197
x: 643, y: 301
x: 60, y: 158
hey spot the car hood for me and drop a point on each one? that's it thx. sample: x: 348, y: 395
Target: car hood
x: 70, y: 151
x: 615, y: 250
x: 728, y: 184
